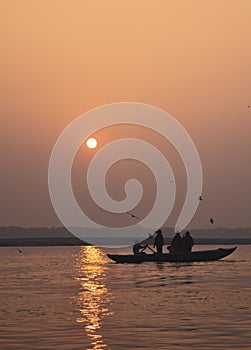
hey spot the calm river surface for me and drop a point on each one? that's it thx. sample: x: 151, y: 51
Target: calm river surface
x: 74, y: 298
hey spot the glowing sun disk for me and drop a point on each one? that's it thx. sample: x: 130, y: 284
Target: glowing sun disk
x: 91, y: 142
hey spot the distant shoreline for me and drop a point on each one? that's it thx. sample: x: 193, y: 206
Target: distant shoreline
x: 40, y: 242
x: 43, y: 242
x: 12, y: 236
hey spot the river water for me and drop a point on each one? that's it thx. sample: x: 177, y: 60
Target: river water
x: 75, y: 298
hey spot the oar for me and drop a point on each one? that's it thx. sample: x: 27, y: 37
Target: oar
x: 147, y: 246
x: 143, y: 249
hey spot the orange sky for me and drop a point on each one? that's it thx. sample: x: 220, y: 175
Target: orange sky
x: 61, y: 58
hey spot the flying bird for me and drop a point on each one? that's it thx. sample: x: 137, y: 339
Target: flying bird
x: 20, y: 251
x: 211, y: 220
x: 132, y: 215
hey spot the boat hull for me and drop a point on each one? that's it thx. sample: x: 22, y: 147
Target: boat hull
x: 200, y: 255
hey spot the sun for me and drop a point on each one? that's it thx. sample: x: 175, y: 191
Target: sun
x: 91, y: 142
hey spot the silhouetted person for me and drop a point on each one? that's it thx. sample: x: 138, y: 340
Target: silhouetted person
x: 188, y: 242
x: 177, y: 244
x: 136, y: 248
x: 159, y: 241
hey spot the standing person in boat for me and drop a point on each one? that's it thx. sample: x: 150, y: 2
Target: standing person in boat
x: 188, y: 242
x: 159, y: 241
x: 136, y: 248
x: 177, y: 244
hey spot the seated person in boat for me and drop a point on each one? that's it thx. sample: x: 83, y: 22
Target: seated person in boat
x: 136, y: 248
x: 177, y: 244
x: 159, y: 241
x: 188, y: 242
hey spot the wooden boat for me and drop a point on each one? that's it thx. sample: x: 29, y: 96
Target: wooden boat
x: 200, y: 255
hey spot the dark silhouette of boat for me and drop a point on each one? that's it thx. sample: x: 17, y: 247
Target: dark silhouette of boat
x: 200, y: 255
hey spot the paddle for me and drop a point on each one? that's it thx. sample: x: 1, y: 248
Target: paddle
x: 147, y: 246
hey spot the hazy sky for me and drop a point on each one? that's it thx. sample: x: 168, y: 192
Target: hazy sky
x: 61, y: 58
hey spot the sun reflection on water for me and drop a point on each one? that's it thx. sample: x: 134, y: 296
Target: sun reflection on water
x: 94, y: 298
